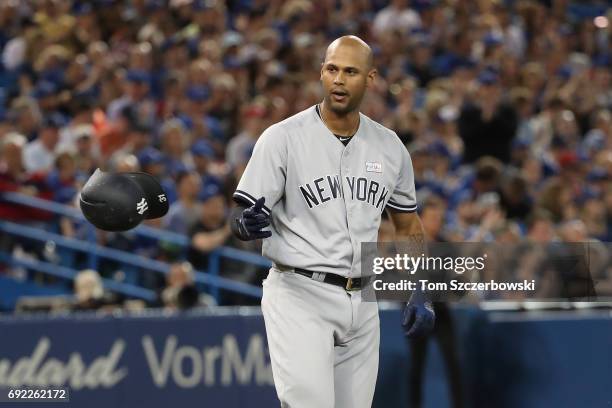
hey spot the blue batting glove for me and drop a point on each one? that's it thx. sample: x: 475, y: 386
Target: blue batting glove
x: 419, y: 317
x: 250, y: 223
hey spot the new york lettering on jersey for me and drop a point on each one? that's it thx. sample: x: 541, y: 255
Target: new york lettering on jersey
x: 328, y: 188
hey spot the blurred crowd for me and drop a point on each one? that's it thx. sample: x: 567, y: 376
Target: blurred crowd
x: 504, y: 106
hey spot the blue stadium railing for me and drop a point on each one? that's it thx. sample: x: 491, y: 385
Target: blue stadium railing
x: 94, y: 251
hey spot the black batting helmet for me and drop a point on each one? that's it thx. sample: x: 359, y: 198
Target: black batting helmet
x: 120, y: 201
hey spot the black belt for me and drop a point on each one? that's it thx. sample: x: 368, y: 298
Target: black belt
x: 346, y: 283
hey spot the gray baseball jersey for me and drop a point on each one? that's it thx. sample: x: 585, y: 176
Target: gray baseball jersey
x: 326, y: 198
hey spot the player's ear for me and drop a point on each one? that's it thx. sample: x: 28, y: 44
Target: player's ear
x: 321, y: 75
x: 371, y: 76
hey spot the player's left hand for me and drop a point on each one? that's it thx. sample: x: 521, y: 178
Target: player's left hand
x: 419, y: 317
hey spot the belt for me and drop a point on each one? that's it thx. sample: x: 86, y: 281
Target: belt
x: 346, y: 283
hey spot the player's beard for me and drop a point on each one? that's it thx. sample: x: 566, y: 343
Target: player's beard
x: 339, y: 108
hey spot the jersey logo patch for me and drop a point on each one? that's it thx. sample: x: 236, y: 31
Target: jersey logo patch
x: 374, y: 167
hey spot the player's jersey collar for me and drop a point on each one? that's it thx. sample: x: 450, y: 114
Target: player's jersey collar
x: 342, y: 139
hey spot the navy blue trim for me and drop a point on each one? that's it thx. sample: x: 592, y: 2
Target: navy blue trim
x: 241, y: 196
x: 401, y: 208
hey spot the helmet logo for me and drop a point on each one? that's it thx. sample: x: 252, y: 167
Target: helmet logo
x: 142, y: 206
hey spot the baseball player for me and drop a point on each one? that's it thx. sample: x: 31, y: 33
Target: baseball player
x: 320, y: 180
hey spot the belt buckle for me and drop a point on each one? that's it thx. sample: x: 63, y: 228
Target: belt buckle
x: 349, y: 284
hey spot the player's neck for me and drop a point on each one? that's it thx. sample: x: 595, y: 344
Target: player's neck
x: 345, y: 125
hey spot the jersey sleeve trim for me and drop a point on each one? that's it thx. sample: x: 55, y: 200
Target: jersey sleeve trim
x: 243, y: 196
x: 402, y: 208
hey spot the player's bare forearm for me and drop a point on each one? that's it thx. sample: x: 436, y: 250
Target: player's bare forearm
x: 410, y: 238
x: 409, y: 232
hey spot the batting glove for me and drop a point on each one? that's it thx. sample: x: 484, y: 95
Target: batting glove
x: 248, y: 225
x: 419, y: 317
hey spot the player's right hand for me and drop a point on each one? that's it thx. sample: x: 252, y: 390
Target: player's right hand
x: 250, y: 223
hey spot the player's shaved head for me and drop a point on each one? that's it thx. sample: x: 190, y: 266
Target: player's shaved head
x: 356, y: 46
x: 346, y: 73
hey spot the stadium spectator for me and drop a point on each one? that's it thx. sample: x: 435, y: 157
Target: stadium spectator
x: 515, y: 200
x: 26, y: 116
x: 86, y: 150
x: 13, y: 178
x: 184, y: 213
x: 203, y: 155
x: 593, y: 215
x: 151, y: 161
x: 507, y: 232
x: 240, y: 146
x: 136, y: 85
x: 180, y: 291
x: 79, y: 126
x: 39, y: 154
x: 556, y: 198
x: 485, y: 178
x: 128, y: 136
x: 175, y: 142
x: 210, y: 232
x: 127, y: 163
x: 432, y: 217
x: 420, y: 55
x: 540, y: 227
x: 196, y: 118
x: 396, y: 17
x: 573, y: 231
x: 62, y: 179
x: 12, y: 169
x: 487, y: 125
x: 89, y: 292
